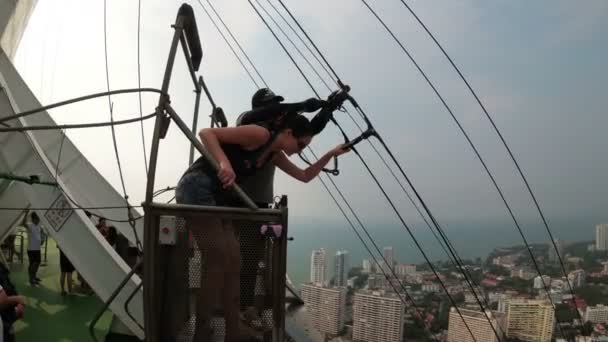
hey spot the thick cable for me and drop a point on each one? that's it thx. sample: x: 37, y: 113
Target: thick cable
x: 229, y: 45
x: 369, y: 236
x: 59, y: 156
x: 76, y: 126
x: 302, y: 41
x: 448, y: 254
x: 310, y: 40
x: 283, y: 46
x: 371, y: 254
x: 110, y: 104
x: 482, y: 161
x: 237, y: 43
x: 363, y: 161
x: 80, y: 99
x: 294, y: 45
x: 143, y: 137
x: 502, y: 139
x: 452, y: 254
x: 348, y: 113
x: 358, y: 235
x: 415, y: 240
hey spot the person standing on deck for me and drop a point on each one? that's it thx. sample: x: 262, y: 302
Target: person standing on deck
x: 34, y: 239
x: 267, y: 108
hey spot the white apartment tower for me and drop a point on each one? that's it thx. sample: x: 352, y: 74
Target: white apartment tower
x: 327, y: 307
x: 601, y: 237
x: 377, y: 317
x: 318, y: 265
x: 341, y: 267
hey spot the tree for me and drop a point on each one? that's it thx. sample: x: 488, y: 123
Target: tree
x: 592, y: 294
x: 565, y: 313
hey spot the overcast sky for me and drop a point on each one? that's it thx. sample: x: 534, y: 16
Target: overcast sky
x: 538, y: 66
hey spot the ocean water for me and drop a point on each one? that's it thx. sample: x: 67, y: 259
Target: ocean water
x: 470, y: 240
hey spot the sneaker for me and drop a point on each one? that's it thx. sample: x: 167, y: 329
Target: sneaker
x: 37, y: 279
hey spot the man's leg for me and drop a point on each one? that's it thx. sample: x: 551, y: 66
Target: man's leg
x: 30, y: 266
x: 36, y: 265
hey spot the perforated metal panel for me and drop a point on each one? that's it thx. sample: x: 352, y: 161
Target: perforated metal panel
x: 189, y: 274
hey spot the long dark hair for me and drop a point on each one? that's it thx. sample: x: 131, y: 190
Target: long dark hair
x: 299, y: 125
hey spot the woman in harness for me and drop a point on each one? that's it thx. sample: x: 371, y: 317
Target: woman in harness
x: 240, y: 152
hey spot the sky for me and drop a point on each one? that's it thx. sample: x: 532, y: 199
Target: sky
x: 539, y: 67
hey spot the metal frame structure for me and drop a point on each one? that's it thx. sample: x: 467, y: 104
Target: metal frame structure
x: 155, y: 256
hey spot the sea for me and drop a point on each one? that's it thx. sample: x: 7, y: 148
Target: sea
x: 471, y: 240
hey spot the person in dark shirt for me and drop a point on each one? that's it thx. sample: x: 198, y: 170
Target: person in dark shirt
x: 267, y: 109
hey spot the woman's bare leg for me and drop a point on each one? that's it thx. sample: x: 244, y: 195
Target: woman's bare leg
x: 232, y: 283
x: 209, y: 237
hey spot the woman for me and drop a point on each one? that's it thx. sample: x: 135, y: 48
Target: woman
x: 67, y: 269
x: 240, y: 152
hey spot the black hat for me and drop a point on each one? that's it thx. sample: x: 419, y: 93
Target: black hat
x: 263, y: 97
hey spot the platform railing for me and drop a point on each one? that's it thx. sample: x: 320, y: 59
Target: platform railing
x: 174, y: 270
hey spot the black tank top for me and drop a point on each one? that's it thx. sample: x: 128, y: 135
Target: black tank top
x: 245, y: 163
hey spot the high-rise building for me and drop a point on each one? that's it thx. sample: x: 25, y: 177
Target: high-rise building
x: 341, y: 267
x: 577, y: 278
x: 377, y: 317
x: 389, y: 256
x: 318, y: 266
x: 541, y: 282
x: 601, y: 237
x: 375, y: 281
x: 597, y: 314
x: 530, y: 320
x: 404, y: 269
x: 553, y: 252
x: 326, y: 306
x: 479, y: 324
x: 367, y: 266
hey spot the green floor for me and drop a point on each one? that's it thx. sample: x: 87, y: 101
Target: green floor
x: 48, y: 315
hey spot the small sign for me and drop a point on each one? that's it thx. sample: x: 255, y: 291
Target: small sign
x: 59, y: 212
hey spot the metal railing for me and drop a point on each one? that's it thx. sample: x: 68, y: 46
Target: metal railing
x: 175, y: 273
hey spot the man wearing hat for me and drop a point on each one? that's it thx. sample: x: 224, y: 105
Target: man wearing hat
x: 269, y: 110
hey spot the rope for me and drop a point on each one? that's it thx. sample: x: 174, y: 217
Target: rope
x: 504, y: 142
x: 482, y: 161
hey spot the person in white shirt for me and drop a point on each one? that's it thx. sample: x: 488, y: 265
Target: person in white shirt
x: 34, y: 237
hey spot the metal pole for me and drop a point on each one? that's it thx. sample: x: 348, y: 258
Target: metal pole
x: 195, y: 119
x: 184, y: 45
x: 150, y: 236
x: 159, y: 110
x: 199, y: 146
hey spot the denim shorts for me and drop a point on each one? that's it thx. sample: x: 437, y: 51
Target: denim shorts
x: 197, y: 188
